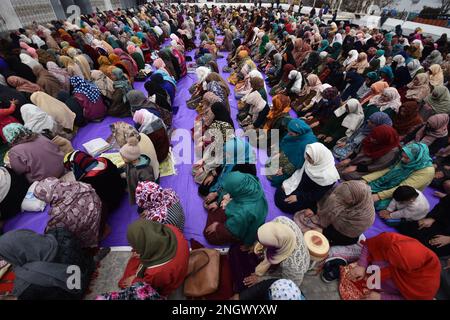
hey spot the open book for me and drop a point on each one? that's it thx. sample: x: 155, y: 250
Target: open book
x: 96, y: 146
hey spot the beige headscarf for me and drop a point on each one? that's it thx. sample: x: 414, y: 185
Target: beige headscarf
x: 436, y: 75
x: 280, y: 239
x: 55, y: 108
x: 105, y: 84
x: 349, y: 208
x: 419, y: 88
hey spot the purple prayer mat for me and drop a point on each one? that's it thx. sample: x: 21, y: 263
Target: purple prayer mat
x: 182, y: 183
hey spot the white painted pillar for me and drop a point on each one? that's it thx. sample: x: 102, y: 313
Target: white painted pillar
x: 9, y: 15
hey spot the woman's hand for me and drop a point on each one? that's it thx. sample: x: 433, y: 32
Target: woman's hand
x: 372, y: 295
x: 320, y: 136
x: 350, y: 169
x: 211, y: 197
x: 226, y: 199
x: 357, y: 273
x: 328, y: 139
x: 128, y: 281
x: 14, y: 102
x: 208, y: 180
x: 440, y: 241
x: 252, y: 280
x: 425, y: 223
x: 438, y: 175
x: 212, y: 228
x: 291, y: 199
x: 385, y: 214
x: 375, y: 197
x: 343, y: 163
x: 308, y: 213
x: 213, y: 206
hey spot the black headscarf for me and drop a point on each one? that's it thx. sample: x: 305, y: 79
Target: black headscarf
x: 221, y: 113
x: 154, y: 87
x: 20, y: 69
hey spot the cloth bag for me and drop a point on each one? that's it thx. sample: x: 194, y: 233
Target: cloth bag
x: 203, y: 273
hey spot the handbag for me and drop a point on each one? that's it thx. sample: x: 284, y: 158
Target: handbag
x: 203, y: 273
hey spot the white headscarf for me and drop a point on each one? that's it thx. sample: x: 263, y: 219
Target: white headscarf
x: 354, y: 118
x: 352, y: 56
x: 337, y: 38
x: 28, y: 60
x: 35, y: 119
x: 400, y: 60
x: 297, y: 76
x: 5, y: 183
x: 322, y: 171
x: 202, y: 73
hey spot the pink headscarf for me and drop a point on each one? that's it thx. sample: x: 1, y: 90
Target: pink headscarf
x: 139, y: 116
x: 31, y: 51
x: 131, y: 49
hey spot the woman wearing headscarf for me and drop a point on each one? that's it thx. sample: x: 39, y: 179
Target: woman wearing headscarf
x: 239, y: 210
x: 414, y: 169
x: 438, y: 101
x: 401, y: 73
x: 245, y: 87
x: 279, y: 111
x: 102, y: 175
x: 40, y: 122
x: 106, y: 66
x: 81, y: 61
x: 408, y: 118
x: 434, y: 57
x: 160, y: 259
x: 434, y: 133
x: 305, y: 99
x: 433, y: 230
x: 418, y: 88
x: 89, y: 97
x: 155, y: 88
x: 218, y: 128
x: 119, y: 104
x: 388, y: 101
x: 309, y: 184
x: 103, y: 83
x: 343, y: 216
x: 217, y: 85
x: 59, y: 73
x: 137, y: 57
x: 409, y: 270
x: 355, y: 81
x: 284, y: 80
x: 379, y: 150
x: 32, y: 154
x: 21, y: 69
x: 294, y: 86
x: 415, y: 68
x: 360, y: 64
x: 301, y: 50
x: 436, y: 75
x: 351, y: 58
x: 41, y: 262
x: 155, y: 129
x: 23, y: 85
x: 138, y: 101
x: 159, y: 205
x: 291, y: 155
x: 13, y: 188
x: 74, y: 206
x: 348, y: 147
x: 72, y: 68
x: 47, y: 82
x: 280, y: 243
x: 258, y: 108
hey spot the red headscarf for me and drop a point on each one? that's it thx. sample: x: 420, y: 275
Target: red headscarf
x: 380, y: 141
x: 286, y: 69
x: 413, y: 268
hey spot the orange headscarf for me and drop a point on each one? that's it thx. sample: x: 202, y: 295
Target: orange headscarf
x: 376, y: 88
x: 281, y: 104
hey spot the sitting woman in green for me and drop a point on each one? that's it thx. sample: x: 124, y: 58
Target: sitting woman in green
x: 240, y: 209
x: 291, y: 155
x: 414, y: 169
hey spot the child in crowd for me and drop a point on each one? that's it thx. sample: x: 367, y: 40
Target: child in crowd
x: 408, y: 203
x: 137, y: 166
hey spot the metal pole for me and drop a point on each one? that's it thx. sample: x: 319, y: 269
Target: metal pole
x: 314, y: 4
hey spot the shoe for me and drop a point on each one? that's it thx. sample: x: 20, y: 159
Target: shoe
x: 331, y: 269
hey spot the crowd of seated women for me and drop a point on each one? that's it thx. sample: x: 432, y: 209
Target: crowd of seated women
x: 377, y: 101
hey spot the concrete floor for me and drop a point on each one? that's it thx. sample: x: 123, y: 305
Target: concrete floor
x: 113, y: 266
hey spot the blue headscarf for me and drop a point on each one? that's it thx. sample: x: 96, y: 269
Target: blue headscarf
x: 294, y: 146
x: 236, y: 151
x: 90, y: 90
x: 166, y: 76
x: 388, y: 71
